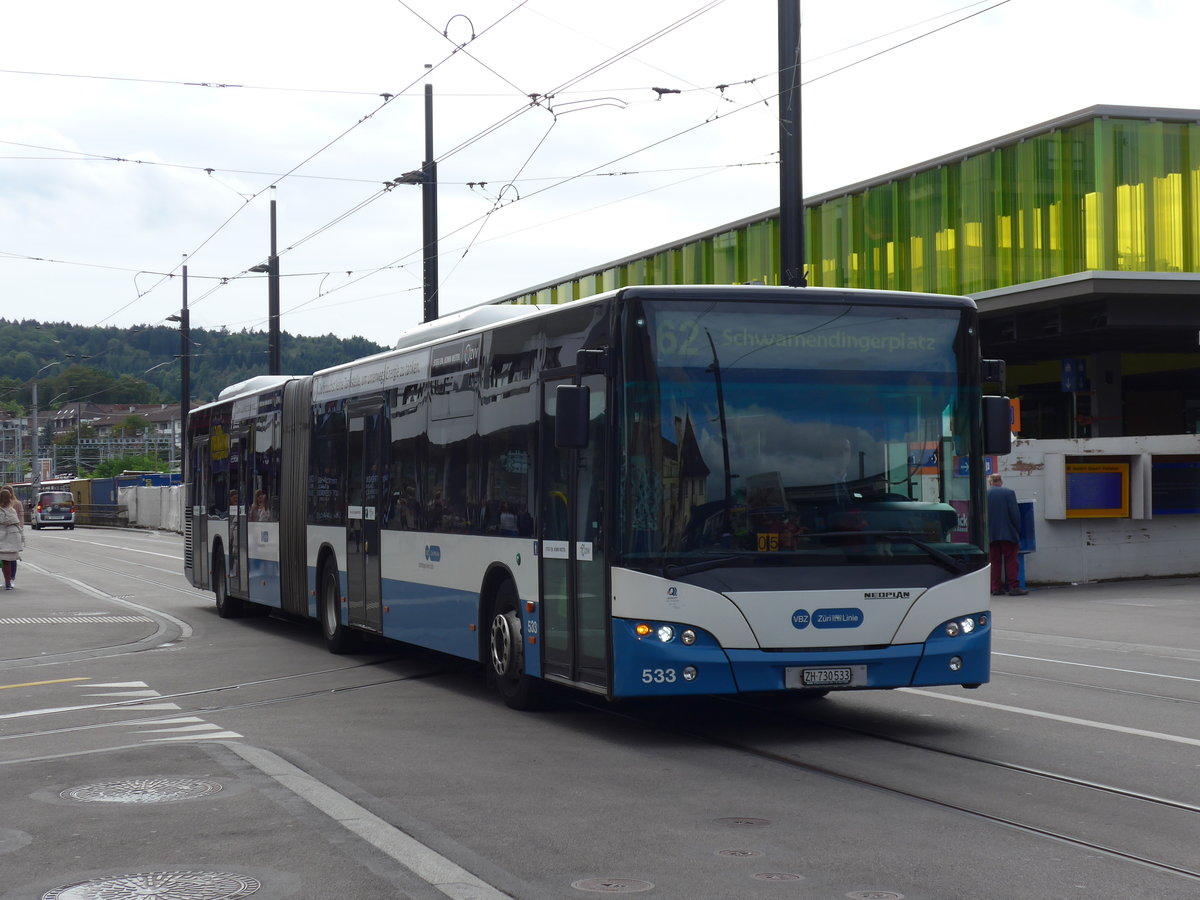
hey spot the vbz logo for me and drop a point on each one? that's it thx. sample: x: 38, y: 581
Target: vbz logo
x: 672, y: 592
x: 433, y: 553
x: 801, y: 618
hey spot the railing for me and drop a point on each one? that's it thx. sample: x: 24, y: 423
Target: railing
x: 101, y: 514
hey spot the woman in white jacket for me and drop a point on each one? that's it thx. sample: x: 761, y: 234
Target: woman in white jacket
x: 12, y: 536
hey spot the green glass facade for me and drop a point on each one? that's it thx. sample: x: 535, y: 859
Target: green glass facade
x: 1090, y: 193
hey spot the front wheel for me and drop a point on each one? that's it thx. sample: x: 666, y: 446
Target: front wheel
x: 338, y: 637
x: 506, y: 653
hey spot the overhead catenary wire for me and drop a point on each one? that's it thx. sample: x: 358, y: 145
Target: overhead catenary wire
x: 341, y: 217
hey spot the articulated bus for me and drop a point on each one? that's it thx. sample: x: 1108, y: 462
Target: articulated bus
x: 655, y: 491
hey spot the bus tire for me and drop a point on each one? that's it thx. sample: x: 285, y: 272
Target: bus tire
x: 506, y: 652
x: 227, y: 607
x: 338, y: 637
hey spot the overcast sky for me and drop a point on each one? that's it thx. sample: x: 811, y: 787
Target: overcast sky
x: 132, y: 133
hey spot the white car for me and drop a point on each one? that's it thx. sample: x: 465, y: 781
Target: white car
x: 53, y: 509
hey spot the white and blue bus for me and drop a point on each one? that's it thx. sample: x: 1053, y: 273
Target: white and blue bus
x: 654, y: 491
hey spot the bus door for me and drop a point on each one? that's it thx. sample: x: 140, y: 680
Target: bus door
x: 200, y: 473
x: 574, y: 602
x: 365, y: 507
x: 239, y: 491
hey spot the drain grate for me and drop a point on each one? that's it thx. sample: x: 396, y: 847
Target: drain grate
x: 739, y: 853
x: 159, y: 886
x: 778, y: 876
x: 875, y: 895
x: 142, y: 790
x: 612, y: 885
x: 740, y: 821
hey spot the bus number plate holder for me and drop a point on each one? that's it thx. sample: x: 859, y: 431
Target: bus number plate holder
x: 825, y: 676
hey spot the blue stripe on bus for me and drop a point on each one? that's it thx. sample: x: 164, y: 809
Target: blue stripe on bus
x: 429, y: 616
x: 263, y: 575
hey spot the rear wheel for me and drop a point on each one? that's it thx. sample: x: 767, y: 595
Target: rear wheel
x: 506, y: 653
x: 338, y: 637
x: 227, y: 607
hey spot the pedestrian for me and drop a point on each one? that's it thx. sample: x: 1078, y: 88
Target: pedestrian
x: 12, y: 537
x: 19, y: 507
x: 1004, y: 532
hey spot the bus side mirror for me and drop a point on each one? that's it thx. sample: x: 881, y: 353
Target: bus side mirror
x: 997, y: 426
x: 572, y: 410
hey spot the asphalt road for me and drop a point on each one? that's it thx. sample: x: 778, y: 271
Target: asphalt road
x: 149, y: 748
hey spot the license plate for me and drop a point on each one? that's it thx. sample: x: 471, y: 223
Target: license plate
x: 825, y: 676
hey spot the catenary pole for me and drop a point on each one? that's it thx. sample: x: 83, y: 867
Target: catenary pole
x: 791, y: 187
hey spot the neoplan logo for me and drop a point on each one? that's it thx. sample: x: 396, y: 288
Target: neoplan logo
x: 887, y: 595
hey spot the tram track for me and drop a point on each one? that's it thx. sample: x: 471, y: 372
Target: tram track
x: 1073, y: 837
x: 846, y: 775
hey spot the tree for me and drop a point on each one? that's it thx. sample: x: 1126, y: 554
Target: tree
x: 132, y: 463
x: 130, y: 426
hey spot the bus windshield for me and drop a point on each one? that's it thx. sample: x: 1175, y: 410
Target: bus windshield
x: 770, y: 433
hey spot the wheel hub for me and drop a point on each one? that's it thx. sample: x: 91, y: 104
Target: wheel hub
x: 506, y: 644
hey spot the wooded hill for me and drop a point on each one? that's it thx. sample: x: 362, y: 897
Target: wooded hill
x: 141, y: 365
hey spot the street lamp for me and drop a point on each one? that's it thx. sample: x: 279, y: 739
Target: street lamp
x: 185, y: 368
x: 35, y: 477
x: 271, y: 268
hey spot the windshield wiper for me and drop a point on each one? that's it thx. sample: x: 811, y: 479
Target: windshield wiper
x: 673, y: 570
x: 956, y: 566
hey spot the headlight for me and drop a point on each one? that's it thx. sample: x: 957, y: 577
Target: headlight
x: 666, y: 633
x: 968, y: 625
x: 952, y: 629
x: 688, y: 636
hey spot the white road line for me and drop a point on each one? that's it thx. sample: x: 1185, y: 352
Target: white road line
x: 203, y: 726
x: 216, y: 735
x: 1064, y: 662
x: 128, y: 549
x: 429, y: 865
x: 1055, y: 717
x: 126, y: 694
x: 116, y: 706
x: 124, y: 684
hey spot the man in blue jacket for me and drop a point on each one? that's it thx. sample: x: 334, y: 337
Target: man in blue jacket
x: 1004, y: 532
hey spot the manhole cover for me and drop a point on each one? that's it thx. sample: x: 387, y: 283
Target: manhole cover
x: 159, y: 886
x: 739, y: 853
x: 779, y: 876
x: 142, y: 790
x: 742, y: 820
x: 612, y: 885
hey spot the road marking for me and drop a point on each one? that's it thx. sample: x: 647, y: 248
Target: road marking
x: 1069, y: 720
x: 429, y: 865
x: 128, y: 549
x: 5, y: 687
x: 1064, y: 662
x: 105, y: 619
x: 215, y: 735
x: 116, y: 705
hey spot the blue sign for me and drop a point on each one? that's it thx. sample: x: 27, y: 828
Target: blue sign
x: 433, y: 553
x: 1074, y: 375
x: 837, y: 618
x: 800, y: 618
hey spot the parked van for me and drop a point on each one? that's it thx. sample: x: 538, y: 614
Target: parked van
x: 53, y: 509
